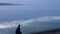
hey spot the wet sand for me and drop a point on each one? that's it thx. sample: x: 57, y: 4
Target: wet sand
x: 55, y: 31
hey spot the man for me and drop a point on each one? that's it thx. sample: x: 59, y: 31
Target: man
x: 18, y: 30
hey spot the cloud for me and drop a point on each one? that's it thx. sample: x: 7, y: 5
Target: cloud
x: 28, y: 22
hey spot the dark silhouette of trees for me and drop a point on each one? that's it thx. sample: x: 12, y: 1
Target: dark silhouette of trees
x: 18, y: 30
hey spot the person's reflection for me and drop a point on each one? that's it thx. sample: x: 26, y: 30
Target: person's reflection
x: 18, y: 30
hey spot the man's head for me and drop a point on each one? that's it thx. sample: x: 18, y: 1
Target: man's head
x: 18, y: 25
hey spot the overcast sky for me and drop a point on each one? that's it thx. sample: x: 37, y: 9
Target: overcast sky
x: 29, y: 1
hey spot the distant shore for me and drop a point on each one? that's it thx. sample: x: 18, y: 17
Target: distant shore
x: 7, y: 4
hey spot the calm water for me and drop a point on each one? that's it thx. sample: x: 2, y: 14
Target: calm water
x: 31, y: 17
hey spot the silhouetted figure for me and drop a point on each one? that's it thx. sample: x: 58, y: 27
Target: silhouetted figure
x: 18, y: 30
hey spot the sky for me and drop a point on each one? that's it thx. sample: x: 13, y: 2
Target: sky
x: 29, y: 1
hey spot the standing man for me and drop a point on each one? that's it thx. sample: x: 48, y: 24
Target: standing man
x: 18, y: 30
